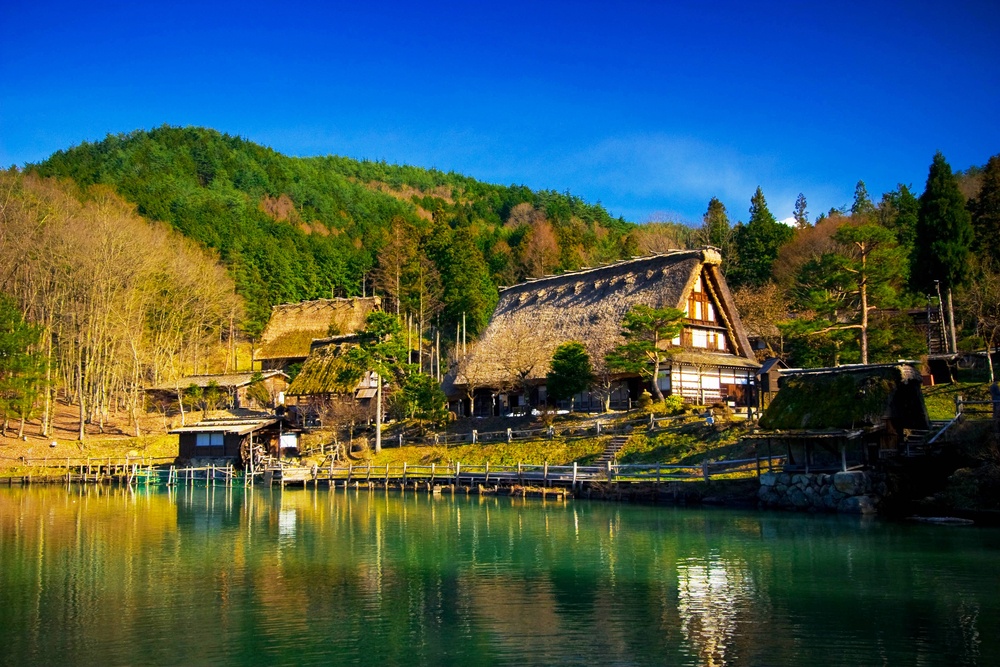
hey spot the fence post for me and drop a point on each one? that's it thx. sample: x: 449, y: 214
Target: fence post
x: 401, y: 439
x: 608, y: 464
x: 458, y: 470
x: 958, y: 404
x: 475, y: 436
x: 510, y: 435
x: 598, y: 427
x: 545, y: 474
x: 552, y: 432
x: 437, y: 439
x: 520, y: 480
x: 574, y: 472
x: 704, y: 470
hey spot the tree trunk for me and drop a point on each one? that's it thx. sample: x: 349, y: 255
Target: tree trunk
x: 864, y: 310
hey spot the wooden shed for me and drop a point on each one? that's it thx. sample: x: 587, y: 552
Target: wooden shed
x: 836, y: 418
x: 236, y: 439
x: 235, y: 385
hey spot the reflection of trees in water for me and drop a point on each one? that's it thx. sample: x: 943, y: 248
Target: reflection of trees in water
x: 712, y: 593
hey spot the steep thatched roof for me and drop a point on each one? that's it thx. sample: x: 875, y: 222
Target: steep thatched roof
x: 293, y: 326
x: 226, y: 381
x: 319, y: 374
x: 841, y: 398
x: 534, y: 317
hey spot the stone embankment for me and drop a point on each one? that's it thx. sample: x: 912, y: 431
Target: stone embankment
x: 852, y: 492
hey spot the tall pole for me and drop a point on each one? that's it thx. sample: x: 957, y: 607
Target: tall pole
x: 943, y: 327
x: 463, y: 332
x: 951, y: 319
x: 437, y: 342
x: 378, y: 413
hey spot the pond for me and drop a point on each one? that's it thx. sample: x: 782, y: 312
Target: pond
x: 99, y: 575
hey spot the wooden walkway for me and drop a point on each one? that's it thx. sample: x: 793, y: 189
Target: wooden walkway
x: 522, y: 478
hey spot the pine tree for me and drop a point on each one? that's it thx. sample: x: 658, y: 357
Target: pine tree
x: 757, y: 244
x: 862, y: 205
x: 571, y: 371
x: 800, y: 213
x: 986, y: 213
x: 944, y: 232
x: 715, y: 229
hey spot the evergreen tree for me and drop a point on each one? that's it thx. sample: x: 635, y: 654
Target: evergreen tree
x: 571, y: 371
x: 21, y: 368
x: 986, y: 214
x: 757, y: 244
x: 898, y: 211
x: 862, y: 205
x: 944, y: 232
x: 716, y: 230
x: 800, y: 213
x: 644, y: 329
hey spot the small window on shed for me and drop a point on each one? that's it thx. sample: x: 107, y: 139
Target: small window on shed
x: 208, y: 440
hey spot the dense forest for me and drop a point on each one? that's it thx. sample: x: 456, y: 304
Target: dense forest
x: 437, y: 244
x: 148, y: 255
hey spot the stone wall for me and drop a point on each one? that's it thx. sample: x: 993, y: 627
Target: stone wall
x: 852, y: 492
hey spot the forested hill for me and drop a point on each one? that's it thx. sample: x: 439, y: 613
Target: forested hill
x: 301, y: 228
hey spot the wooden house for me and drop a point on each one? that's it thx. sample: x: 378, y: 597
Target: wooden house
x: 235, y: 438
x: 711, y: 361
x: 236, y: 386
x: 836, y: 418
x: 289, y: 334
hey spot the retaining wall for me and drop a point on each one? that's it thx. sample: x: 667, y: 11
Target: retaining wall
x: 852, y: 492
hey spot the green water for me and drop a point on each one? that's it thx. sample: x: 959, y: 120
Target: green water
x: 226, y: 576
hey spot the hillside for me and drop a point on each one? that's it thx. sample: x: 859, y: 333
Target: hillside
x: 290, y: 228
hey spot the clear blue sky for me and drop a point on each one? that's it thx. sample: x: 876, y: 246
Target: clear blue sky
x: 650, y: 108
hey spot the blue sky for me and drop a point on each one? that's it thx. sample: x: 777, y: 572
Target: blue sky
x: 649, y: 108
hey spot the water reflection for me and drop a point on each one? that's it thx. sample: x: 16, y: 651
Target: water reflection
x: 261, y: 576
x: 712, y: 593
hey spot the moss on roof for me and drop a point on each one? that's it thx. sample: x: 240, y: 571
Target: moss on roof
x: 320, y: 375
x: 851, y: 398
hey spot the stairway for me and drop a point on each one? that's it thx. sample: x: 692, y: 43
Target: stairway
x: 610, y: 454
x: 917, y: 440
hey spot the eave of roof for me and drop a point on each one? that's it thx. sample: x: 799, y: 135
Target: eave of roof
x: 232, y: 426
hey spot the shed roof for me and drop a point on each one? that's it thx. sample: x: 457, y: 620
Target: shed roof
x: 233, y: 426
x: 294, y: 326
x: 225, y: 381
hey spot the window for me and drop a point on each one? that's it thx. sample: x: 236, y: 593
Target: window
x: 208, y: 440
x: 699, y: 338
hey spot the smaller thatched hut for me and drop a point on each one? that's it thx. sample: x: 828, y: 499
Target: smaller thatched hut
x: 293, y: 327
x: 834, y: 418
x: 320, y: 393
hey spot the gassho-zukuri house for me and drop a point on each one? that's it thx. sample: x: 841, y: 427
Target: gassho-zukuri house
x: 711, y: 360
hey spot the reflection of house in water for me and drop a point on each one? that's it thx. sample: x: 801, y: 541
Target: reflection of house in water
x: 712, y: 592
x: 288, y: 336
x: 837, y: 418
x: 711, y: 359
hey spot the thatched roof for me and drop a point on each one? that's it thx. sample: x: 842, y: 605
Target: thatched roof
x: 847, y: 397
x: 293, y: 326
x: 226, y: 381
x: 319, y: 374
x: 533, y: 318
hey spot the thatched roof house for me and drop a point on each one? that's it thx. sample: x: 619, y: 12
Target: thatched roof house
x: 712, y: 358
x: 319, y: 391
x: 294, y: 326
x: 844, y: 415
